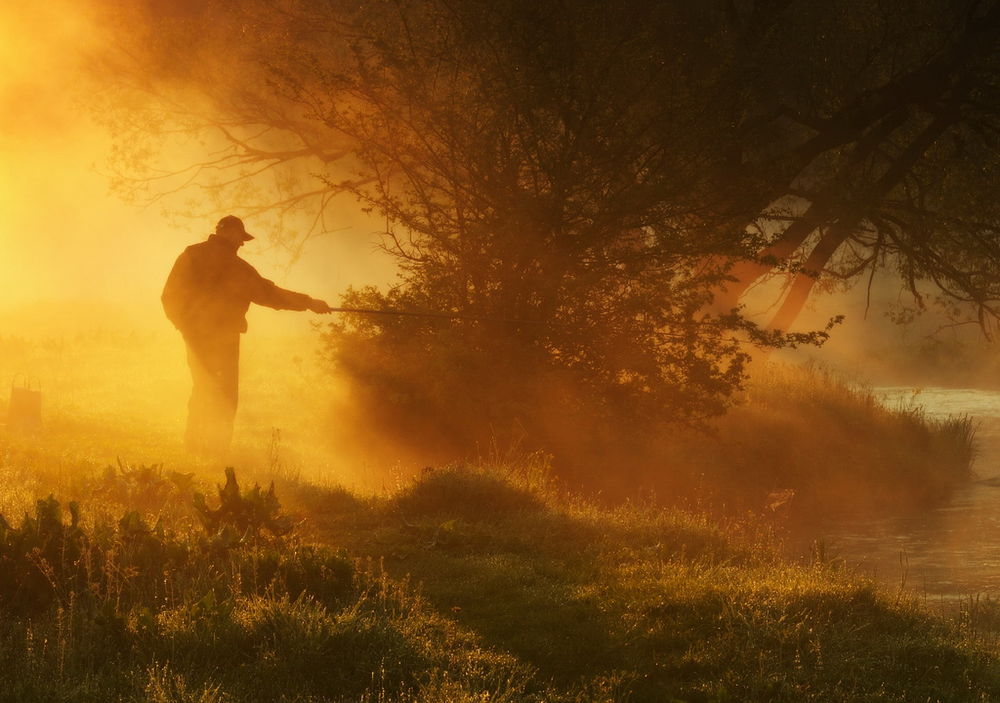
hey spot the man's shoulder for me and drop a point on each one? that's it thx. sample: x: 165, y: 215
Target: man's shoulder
x: 247, y: 267
x: 204, y: 245
x: 210, y: 259
x: 193, y: 251
x: 211, y: 254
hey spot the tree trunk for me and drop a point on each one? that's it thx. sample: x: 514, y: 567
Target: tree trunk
x: 841, y: 231
x: 806, y: 279
x: 880, y: 113
x: 823, y: 208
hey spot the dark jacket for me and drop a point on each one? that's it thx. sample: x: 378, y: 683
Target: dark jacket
x: 210, y: 289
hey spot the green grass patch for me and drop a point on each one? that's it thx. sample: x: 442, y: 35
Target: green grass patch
x: 437, y: 593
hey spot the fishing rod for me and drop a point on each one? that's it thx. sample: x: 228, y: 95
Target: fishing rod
x: 548, y: 323
x: 441, y: 316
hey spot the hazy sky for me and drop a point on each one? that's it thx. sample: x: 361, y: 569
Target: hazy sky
x: 63, y: 236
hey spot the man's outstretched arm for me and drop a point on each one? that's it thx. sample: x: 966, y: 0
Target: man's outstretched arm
x: 272, y: 296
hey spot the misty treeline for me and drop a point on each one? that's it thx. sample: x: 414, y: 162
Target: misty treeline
x: 595, y: 183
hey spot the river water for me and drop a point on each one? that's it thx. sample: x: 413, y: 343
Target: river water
x: 952, y: 550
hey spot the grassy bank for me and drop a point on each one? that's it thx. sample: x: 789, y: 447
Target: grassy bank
x: 470, y: 584
x: 488, y: 582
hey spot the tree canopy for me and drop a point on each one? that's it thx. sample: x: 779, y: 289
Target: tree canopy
x: 589, y: 187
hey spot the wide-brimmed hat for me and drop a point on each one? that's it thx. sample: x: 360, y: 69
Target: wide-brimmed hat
x: 232, y: 227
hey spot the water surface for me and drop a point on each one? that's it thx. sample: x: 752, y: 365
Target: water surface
x: 951, y: 550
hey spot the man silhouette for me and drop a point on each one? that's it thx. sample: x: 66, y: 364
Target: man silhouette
x: 206, y: 297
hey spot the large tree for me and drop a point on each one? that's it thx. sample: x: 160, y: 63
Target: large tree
x: 607, y: 169
x: 553, y: 197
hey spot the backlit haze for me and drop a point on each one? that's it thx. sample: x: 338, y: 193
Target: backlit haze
x: 65, y: 237
x: 77, y: 259
x: 82, y: 270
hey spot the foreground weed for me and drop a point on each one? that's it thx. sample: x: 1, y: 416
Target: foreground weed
x: 243, y: 514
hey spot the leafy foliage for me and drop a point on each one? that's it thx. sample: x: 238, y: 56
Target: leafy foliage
x: 552, y: 198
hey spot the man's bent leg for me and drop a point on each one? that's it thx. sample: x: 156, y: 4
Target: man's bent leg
x: 199, y: 404
x: 214, y: 363
x: 227, y: 375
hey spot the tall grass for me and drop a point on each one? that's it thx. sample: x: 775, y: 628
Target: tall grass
x: 831, y: 443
